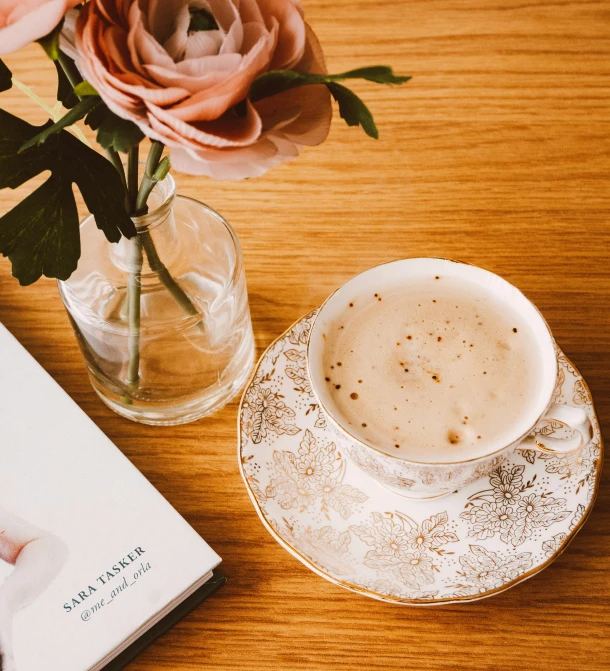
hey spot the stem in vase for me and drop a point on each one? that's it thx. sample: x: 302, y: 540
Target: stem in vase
x: 154, y: 260
x: 138, y: 199
x: 165, y: 277
x: 134, y: 281
x: 133, y: 299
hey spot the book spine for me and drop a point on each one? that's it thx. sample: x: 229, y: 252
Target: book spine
x: 181, y: 610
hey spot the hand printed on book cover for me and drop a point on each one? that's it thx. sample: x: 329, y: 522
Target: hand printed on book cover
x: 37, y: 557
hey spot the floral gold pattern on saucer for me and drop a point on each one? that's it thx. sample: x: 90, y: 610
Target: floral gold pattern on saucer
x: 481, y: 540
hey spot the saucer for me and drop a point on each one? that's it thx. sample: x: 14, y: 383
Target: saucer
x: 346, y: 527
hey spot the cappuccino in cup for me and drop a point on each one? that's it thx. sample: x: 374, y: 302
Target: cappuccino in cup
x: 433, y: 370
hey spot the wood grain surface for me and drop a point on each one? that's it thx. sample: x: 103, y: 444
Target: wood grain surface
x: 496, y: 153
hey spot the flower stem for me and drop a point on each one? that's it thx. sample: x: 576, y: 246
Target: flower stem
x: 132, y: 177
x: 138, y: 199
x: 152, y: 255
x: 133, y: 297
x: 165, y: 277
x: 134, y: 281
x: 71, y: 71
x: 148, y: 180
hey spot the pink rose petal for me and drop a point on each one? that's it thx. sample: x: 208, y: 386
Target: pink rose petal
x: 183, y: 88
x: 25, y: 22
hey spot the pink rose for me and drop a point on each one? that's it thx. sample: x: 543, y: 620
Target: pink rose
x: 23, y: 21
x: 178, y: 68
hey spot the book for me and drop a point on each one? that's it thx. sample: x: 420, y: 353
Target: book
x: 94, y: 562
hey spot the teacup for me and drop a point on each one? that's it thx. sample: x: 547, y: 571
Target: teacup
x: 418, y: 478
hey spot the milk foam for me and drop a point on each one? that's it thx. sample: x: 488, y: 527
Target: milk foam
x: 437, y: 370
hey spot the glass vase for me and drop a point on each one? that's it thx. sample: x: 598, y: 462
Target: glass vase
x: 163, y: 319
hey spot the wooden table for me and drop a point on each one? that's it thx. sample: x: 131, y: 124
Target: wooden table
x: 497, y: 153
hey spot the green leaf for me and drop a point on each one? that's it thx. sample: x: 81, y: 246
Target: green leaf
x: 353, y: 110
x: 65, y: 92
x: 96, y: 116
x: 278, y: 81
x: 17, y: 168
x: 84, y: 89
x: 79, y: 110
x: 117, y: 133
x: 41, y: 234
x: 351, y: 107
x: 101, y: 188
x: 6, y: 77
x: 50, y: 42
x: 380, y: 74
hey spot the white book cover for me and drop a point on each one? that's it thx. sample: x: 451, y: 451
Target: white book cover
x: 91, y: 555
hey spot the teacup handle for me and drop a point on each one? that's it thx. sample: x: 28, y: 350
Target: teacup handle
x: 575, y: 418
